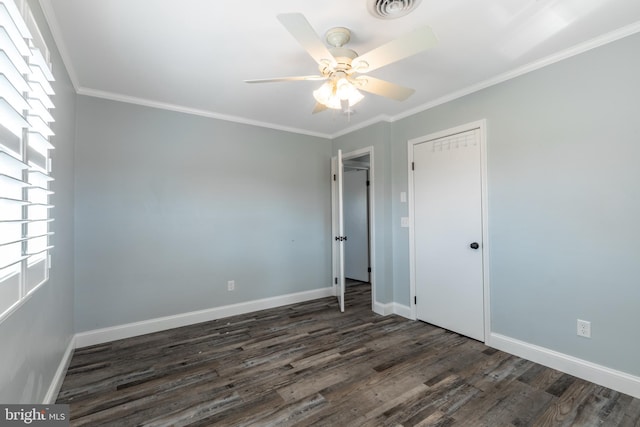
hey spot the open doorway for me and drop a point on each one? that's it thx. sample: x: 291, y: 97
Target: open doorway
x: 356, y: 210
x: 357, y: 268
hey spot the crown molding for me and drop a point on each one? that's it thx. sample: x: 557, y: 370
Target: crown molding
x: 193, y: 111
x: 618, y: 34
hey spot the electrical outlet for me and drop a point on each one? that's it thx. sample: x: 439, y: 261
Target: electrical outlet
x: 584, y: 328
x: 231, y: 285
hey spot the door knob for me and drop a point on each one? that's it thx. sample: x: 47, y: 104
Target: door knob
x: 474, y: 245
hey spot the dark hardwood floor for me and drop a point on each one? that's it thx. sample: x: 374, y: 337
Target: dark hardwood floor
x: 309, y: 364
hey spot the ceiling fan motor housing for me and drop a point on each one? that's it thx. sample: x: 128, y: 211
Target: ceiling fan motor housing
x: 337, y: 37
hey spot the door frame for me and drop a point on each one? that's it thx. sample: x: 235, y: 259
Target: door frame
x: 371, y: 212
x: 481, y: 125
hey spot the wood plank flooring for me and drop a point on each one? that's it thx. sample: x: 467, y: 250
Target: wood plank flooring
x: 308, y: 364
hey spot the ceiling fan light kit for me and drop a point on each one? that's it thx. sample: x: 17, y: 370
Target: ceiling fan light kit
x: 339, y: 65
x: 338, y: 94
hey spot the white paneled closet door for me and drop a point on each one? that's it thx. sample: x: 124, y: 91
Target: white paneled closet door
x: 447, y: 181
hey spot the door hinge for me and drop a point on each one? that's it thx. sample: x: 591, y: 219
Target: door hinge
x: 334, y: 176
x: 415, y: 300
x: 369, y: 270
x: 335, y: 280
x: 368, y: 182
x: 413, y: 166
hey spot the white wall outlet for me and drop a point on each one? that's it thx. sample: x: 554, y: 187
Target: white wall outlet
x: 404, y: 221
x: 584, y: 328
x: 403, y: 197
x: 231, y: 285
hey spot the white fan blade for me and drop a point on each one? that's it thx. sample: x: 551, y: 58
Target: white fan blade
x: 286, y: 79
x: 383, y: 88
x: 400, y: 48
x: 319, y: 108
x: 302, y: 31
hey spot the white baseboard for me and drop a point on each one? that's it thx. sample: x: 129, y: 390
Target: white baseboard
x: 607, y: 377
x: 402, y: 310
x: 382, y: 309
x: 392, y: 308
x: 58, y: 378
x: 99, y: 336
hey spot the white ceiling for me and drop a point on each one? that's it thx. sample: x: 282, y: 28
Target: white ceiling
x: 193, y: 55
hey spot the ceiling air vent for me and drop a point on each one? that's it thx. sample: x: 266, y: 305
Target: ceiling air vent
x: 391, y: 9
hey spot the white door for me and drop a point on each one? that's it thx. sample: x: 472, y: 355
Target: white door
x: 355, y: 206
x: 447, y: 191
x: 338, y: 227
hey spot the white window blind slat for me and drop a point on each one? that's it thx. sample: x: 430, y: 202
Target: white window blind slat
x: 38, y: 92
x: 10, y: 165
x: 38, y: 229
x: 11, y: 94
x: 4, y: 240
x: 12, y: 51
x: 37, y: 159
x: 12, y: 74
x: 6, y: 202
x: 38, y: 212
x: 11, y: 255
x: 8, y: 140
x: 37, y: 108
x: 11, y: 119
x: 9, y: 181
x: 39, y: 190
x: 37, y: 244
x: 39, y: 142
x: 38, y: 60
x: 38, y: 75
x: 39, y: 125
x: 16, y: 17
x: 37, y: 178
x: 10, y: 232
x: 9, y: 25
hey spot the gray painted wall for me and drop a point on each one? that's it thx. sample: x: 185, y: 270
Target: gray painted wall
x: 35, y: 337
x: 564, y: 201
x: 169, y: 207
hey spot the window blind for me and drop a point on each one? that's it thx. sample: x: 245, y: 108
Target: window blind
x: 25, y: 162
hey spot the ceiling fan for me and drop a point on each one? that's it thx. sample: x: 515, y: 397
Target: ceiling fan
x: 343, y: 69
